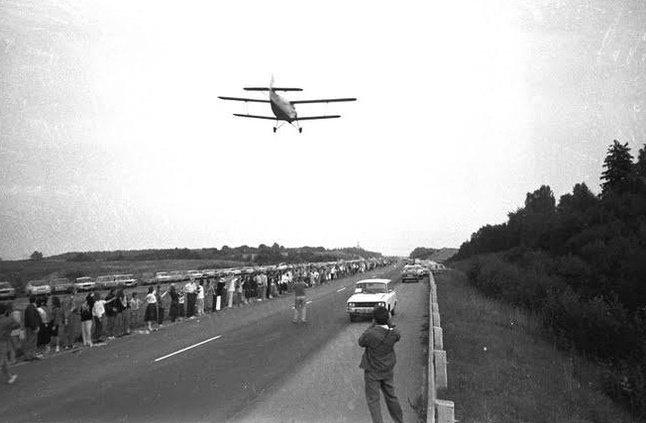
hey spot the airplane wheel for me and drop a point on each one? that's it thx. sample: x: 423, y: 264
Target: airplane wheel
x: 274, y: 129
x: 300, y: 130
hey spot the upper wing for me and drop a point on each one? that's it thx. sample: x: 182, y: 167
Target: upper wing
x: 254, y: 100
x: 325, y: 100
x: 274, y: 88
x: 255, y: 116
x: 318, y: 117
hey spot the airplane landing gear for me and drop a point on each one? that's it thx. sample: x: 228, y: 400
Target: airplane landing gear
x: 300, y: 130
x: 275, y: 129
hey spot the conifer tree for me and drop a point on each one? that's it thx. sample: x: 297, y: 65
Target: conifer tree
x: 619, y: 174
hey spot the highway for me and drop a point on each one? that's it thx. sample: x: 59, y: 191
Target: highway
x: 216, y: 368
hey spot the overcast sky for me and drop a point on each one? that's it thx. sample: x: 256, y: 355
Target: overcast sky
x: 112, y: 137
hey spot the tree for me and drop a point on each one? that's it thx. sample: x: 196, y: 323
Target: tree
x: 36, y: 256
x: 618, y: 175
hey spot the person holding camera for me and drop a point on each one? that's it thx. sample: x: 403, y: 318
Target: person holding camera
x: 378, y: 362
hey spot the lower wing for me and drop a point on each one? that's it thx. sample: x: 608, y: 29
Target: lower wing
x: 255, y: 116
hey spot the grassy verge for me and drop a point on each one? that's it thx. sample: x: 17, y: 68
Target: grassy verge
x: 501, y: 369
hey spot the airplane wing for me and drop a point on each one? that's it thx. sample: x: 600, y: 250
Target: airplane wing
x: 325, y: 100
x: 275, y: 89
x: 318, y: 117
x: 255, y: 116
x: 253, y: 100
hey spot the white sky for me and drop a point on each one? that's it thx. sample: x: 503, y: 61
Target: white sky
x: 112, y: 137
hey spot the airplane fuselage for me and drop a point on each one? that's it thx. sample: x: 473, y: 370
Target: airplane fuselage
x: 283, y: 109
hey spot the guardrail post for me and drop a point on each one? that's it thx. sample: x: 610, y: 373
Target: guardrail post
x: 445, y: 411
x: 436, y: 318
x: 438, y: 342
x: 441, y: 381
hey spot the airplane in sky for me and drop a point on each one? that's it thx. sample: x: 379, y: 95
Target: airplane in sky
x: 284, y: 110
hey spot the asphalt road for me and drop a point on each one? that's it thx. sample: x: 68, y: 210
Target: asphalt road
x: 208, y: 369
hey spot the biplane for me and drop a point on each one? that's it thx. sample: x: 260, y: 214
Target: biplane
x: 284, y: 110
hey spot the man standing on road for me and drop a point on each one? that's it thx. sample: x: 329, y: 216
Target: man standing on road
x: 378, y: 363
x: 7, y: 324
x: 191, y: 298
x: 300, y: 308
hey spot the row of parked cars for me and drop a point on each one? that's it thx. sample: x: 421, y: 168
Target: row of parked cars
x: 85, y: 283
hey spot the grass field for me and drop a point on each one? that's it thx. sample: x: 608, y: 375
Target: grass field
x: 502, y: 370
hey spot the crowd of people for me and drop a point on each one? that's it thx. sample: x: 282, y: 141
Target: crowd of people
x: 50, y: 324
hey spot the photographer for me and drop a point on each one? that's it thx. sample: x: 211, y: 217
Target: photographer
x: 378, y: 363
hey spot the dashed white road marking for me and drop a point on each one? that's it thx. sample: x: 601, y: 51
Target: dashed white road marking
x: 188, y: 348
x: 339, y: 290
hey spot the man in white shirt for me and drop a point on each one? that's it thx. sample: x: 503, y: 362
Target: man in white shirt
x: 98, y: 310
x: 200, y: 298
x: 231, y: 290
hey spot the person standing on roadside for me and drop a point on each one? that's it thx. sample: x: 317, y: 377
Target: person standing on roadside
x: 32, y: 326
x: 378, y: 362
x: 173, y: 311
x: 57, y: 323
x: 300, y: 306
x: 191, y: 298
x: 87, y: 317
x: 200, y: 298
x: 7, y: 325
x: 135, y: 305
x: 231, y: 290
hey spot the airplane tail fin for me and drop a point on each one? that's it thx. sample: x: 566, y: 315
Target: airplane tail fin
x: 271, y: 83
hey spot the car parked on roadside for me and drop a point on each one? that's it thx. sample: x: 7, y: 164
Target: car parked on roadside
x: 369, y: 293
x: 38, y: 287
x: 105, y: 282
x: 162, y: 277
x: 128, y: 280
x: 7, y: 292
x: 84, y: 283
x: 61, y: 285
x: 194, y: 274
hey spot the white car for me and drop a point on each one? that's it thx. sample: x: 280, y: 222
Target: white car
x: 38, y: 287
x: 105, y: 282
x: 84, y: 283
x: 369, y: 293
x: 162, y: 277
x: 126, y: 280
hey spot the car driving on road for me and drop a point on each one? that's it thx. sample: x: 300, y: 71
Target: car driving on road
x: 369, y: 293
x: 411, y: 272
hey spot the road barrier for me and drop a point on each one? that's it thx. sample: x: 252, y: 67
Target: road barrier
x: 437, y: 410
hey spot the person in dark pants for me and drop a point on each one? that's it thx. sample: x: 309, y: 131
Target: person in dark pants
x: 32, y: 326
x: 173, y: 311
x: 378, y: 363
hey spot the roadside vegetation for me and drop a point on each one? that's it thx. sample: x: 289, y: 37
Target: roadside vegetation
x: 578, y: 267
x: 502, y: 368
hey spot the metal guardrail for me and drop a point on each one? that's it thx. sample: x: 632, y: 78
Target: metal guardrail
x: 437, y: 410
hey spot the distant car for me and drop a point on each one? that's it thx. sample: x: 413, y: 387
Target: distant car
x: 84, y: 283
x: 126, y: 280
x: 369, y: 293
x: 194, y: 274
x: 38, y: 287
x: 7, y: 292
x: 162, y: 277
x: 59, y: 285
x: 105, y: 282
x: 177, y: 276
x: 411, y: 272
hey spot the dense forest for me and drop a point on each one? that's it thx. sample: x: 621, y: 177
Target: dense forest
x: 580, y: 265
